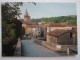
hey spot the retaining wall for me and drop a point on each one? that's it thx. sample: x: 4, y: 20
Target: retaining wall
x: 53, y: 46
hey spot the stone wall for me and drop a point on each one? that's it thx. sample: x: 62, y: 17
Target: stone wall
x: 51, y: 39
x: 46, y: 44
x: 65, y: 39
x: 52, y: 46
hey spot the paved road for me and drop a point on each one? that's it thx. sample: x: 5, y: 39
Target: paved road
x: 29, y: 48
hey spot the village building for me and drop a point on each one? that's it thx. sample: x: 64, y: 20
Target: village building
x: 53, y: 26
x: 27, y: 25
x: 61, y: 39
x: 30, y: 28
x: 44, y: 30
x: 61, y: 35
x: 37, y: 32
x: 42, y: 22
x: 33, y: 29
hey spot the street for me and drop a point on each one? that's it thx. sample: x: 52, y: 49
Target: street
x: 29, y: 48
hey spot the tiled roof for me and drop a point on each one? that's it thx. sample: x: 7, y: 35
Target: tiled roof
x: 57, y: 32
x: 53, y: 24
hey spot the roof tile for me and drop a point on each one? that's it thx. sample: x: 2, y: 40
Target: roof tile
x: 57, y: 32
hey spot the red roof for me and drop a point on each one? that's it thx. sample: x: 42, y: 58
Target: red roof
x: 57, y: 32
x: 52, y: 24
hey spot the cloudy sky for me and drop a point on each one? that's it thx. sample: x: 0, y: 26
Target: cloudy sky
x: 48, y: 9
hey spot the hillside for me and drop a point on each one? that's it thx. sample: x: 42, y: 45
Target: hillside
x: 71, y: 20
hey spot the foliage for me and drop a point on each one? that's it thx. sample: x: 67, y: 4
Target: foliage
x: 36, y: 20
x: 11, y: 27
x: 58, y: 19
x: 9, y: 10
x: 72, y: 22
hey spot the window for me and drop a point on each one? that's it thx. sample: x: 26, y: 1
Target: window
x: 70, y: 34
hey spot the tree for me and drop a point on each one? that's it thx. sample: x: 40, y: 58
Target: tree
x: 72, y: 22
x: 10, y: 26
x: 57, y: 19
x: 9, y: 11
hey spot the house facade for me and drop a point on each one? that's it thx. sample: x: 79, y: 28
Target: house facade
x: 61, y: 36
x: 61, y: 39
x: 37, y: 32
x: 62, y: 26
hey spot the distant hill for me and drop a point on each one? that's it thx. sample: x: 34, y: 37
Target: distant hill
x: 71, y: 19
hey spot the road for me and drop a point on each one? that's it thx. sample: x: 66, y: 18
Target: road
x: 29, y: 48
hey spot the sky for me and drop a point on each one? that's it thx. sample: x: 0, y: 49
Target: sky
x: 48, y: 9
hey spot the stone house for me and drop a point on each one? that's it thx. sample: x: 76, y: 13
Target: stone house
x: 53, y: 26
x: 62, y: 39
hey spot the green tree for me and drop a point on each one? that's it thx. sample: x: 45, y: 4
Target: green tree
x: 72, y: 22
x: 57, y: 19
x: 9, y: 10
x: 10, y: 26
